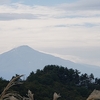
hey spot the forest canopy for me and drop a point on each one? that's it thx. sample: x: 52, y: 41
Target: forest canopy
x: 70, y: 83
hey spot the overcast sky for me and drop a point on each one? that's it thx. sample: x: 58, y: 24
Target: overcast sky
x: 69, y: 29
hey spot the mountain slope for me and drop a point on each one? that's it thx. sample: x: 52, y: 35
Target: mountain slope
x: 23, y: 60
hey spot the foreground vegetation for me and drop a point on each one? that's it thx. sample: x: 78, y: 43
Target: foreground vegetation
x: 70, y: 83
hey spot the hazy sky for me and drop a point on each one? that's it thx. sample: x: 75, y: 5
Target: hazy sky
x: 69, y: 29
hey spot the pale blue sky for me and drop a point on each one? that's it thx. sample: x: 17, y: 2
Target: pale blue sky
x: 46, y: 2
x: 69, y: 29
x: 42, y: 2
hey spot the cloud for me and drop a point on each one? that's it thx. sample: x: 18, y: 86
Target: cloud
x: 82, y: 5
x: 14, y: 16
x: 86, y: 55
x: 19, y: 11
x: 5, y: 2
x: 68, y: 10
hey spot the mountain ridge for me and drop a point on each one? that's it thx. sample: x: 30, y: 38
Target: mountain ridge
x: 24, y: 59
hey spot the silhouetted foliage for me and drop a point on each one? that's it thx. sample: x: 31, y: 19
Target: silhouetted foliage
x: 70, y: 83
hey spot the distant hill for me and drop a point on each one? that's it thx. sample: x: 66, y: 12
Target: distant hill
x: 24, y: 59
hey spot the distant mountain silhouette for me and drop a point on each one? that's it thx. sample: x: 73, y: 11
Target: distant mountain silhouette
x: 23, y: 60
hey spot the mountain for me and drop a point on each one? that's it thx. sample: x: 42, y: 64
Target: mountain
x: 24, y: 59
